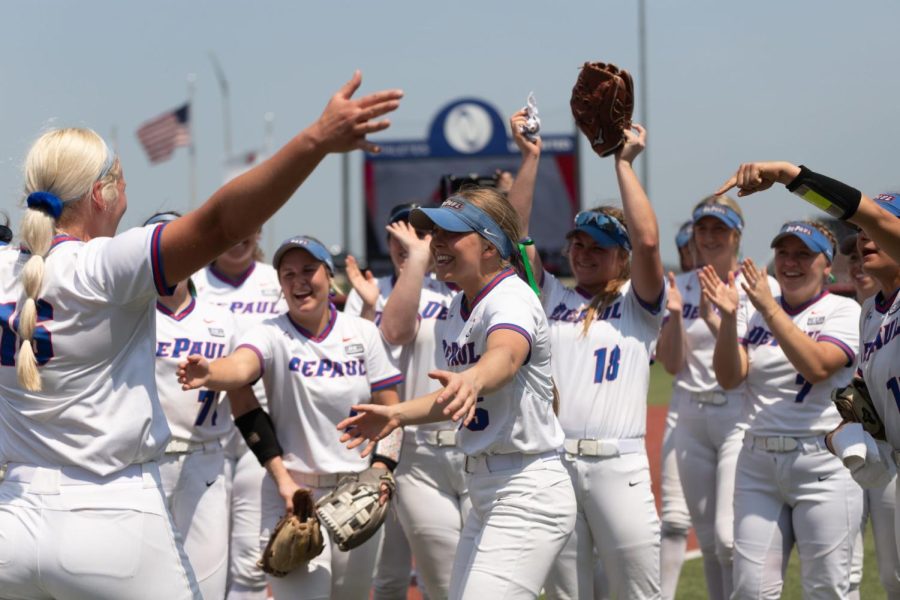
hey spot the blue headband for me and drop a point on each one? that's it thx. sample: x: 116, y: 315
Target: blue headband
x: 889, y: 202
x: 315, y: 248
x: 721, y: 212
x: 459, y: 215
x: 46, y: 203
x: 606, y: 230
x: 814, y: 239
x: 684, y: 235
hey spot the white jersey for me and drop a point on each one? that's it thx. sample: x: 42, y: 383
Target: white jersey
x: 878, y: 359
x: 782, y: 402
x: 697, y: 374
x: 519, y: 416
x: 312, y: 381
x: 417, y: 358
x: 252, y: 298
x: 603, y: 377
x: 201, y: 328
x: 94, y: 342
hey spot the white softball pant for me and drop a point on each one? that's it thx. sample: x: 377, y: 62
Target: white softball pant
x: 881, y: 503
x: 245, y: 478
x: 616, y: 521
x: 392, y: 573
x: 675, y: 518
x: 432, y: 505
x: 707, y: 442
x: 194, y: 486
x: 68, y: 534
x: 804, y: 495
x: 523, y: 512
x: 332, y: 574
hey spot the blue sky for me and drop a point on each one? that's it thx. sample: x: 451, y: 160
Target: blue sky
x: 808, y: 81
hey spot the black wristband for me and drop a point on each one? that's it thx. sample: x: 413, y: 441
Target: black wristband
x: 389, y: 463
x: 259, y: 433
x: 837, y: 199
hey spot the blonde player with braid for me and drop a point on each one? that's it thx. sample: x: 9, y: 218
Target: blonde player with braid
x: 790, y: 351
x: 601, y: 335
x: 80, y: 421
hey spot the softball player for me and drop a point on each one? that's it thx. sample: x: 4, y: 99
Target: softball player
x: 711, y: 421
x: 315, y: 364
x: 792, y: 350
x: 432, y: 500
x: 192, y: 468
x: 601, y: 335
x: 675, y: 520
x: 239, y: 281
x: 877, y: 502
x: 80, y: 419
x: 495, y: 348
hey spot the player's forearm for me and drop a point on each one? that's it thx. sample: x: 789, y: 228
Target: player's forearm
x: 809, y: 357
x: 400, y: 319
x: 643, y: 233
x: 230, y: 373
x: 423, y: 409
x: 496, y: 367
x: 713, y: 322
x: 521, y: 194
x: 729, y: 362
x: 670, y: 347
x: 238, y: 209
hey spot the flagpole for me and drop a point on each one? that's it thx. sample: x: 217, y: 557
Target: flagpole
x: 226, y: 104
x: 268, y: 143
x: 192, y: 152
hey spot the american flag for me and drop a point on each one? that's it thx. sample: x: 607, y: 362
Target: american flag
x: 161, y: 135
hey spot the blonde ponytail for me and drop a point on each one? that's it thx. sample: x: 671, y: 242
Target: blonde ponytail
x: 60, y: 170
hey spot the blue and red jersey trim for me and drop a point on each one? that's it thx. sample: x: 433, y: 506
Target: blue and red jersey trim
x: 851, y: 355
x: 796, y: 310
x: 465, y: 310
x: 259, y: 356
x: 180, y: 316
x: 386, y: 383
x: 520, y: 330
x: 156, y: 262
x: 883, y: 304
x: 332, y: 317
x: 61, y: 238
x: 235, y: 282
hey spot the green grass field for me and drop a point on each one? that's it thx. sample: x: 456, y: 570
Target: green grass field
x: 692, y: 585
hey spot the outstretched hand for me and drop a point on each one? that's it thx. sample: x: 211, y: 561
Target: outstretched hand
x: 723, y: 295
x: 759, y: 176
x: 368, y: 423
x: 635, y: 142
x: 525, y: 145
x: 345, y: 122
x: 674, y: 301
x: 193, y: 373
x: 460, y: 393
x: 365, y: 284
x: 756, y: 285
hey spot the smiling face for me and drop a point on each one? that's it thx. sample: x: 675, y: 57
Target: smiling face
x: 305, y: 284
x: 593, y: 266
x: 462, y: 258
x: 715, y: 241
x: 875, y: 262
x: 800, y: 272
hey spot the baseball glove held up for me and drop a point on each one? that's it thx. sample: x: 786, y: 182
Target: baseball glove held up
x: 297, y: 538
x: 351, y: 513
x: 602, y: 104
x: 855, y: 405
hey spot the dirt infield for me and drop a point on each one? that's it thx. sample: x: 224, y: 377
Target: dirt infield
x: 656, y: 425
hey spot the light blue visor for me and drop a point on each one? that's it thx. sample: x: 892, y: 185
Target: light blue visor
x: 606, y: 230
x: 814, y: 239
x: 684, y: 234
x: 889, y: 202
x: 316, y: 248
x: 721, y: 212
x: 458, y: 215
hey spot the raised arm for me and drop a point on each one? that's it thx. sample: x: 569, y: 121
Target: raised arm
x: 241, y: 206
x: 521, y: 194
x: 643, y: 231
x: 670, y: 347
x: 730, y: 361
x: 400, y: 319
x: 836, y: 198
x: 815, y: 361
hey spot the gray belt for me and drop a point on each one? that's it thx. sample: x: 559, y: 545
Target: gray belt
x: 440, y: 438
x: 714, y: 398
x: 184, y: 447
x: 325, y: 480
x: 783, y: 443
